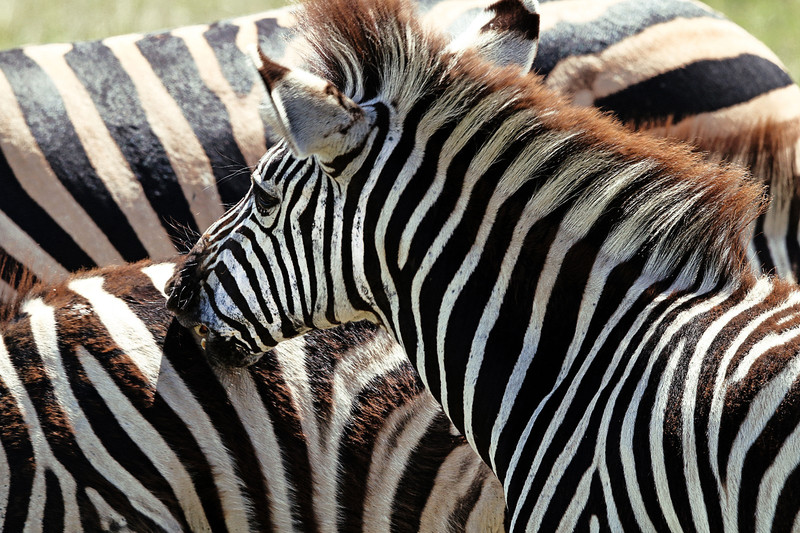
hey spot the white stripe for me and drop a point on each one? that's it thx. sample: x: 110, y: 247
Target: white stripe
x: 773, y: 484
x: 689, y: 397
x: 246, y: 124
x: 657, y: 456
x: 643, y: 56
x: 5, y: 470
x: 28, y: 252
x: 110, y: 519
x: 729, y: 495
x: 159, y: 274
x: 7, y: 294
x: 390, y: 459
x: 125, y: 328
x: 42, y: 455
x: 760, y: 411
x: 626, y: 448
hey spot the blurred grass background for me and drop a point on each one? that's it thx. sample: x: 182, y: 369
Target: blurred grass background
x: 776, y: 22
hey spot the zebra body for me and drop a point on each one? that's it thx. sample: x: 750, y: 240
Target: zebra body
x: 107, y: 156
x: 111, y: 421
x: 574, y: 295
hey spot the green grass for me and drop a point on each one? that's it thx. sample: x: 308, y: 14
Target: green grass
x: 776, y: 22
x: 45, y: 21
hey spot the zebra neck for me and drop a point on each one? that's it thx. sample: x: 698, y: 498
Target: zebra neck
x: 543, y: 311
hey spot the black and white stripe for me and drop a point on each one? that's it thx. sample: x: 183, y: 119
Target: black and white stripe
x: 114, y: 150
x: 112, y: 421
x: 575, y: 295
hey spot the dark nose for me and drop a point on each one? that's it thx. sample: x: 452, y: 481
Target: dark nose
x: 184, y: 286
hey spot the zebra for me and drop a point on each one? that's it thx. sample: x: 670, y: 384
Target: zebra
x: 576, y: 296
x: 116, y: 150
x: 111, y: 421
x: 333, y: 433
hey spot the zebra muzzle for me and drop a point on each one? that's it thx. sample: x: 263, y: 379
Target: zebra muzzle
x: 224, y: 351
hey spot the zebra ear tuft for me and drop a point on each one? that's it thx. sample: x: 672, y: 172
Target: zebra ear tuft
x: 312, y: 115
x: 506, y: 33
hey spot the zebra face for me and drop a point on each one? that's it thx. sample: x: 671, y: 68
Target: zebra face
x: 270, y: 269
x: 294, y: 253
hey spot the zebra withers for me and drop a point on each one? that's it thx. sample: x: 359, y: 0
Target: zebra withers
x: 111, y: 421
x: 106, y: 157
x: 575, y: 295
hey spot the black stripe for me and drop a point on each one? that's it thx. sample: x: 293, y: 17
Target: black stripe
x: 267, y: 267
x: 33, y: 220
x: 229, y: 285
x: 240, y: 255
x: 792, y: 243
x: 375, y: 403
x: 351, y: 205
x: 303, y: 293
x: 173, y: 64
x: 51, y: 127
x: 54, y: 504
x: 116, y: 100
x: 271, y: 37
x: 559, y: 323
x: 700, y: 87
x: 308, y: 219
x: 235, y: 66
x: 616, y: 24
x: 772, y: 439
x: 419, y: 475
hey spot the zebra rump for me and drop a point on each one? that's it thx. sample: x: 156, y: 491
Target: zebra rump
x: 111, y: 421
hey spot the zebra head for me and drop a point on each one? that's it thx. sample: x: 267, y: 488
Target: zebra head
x: 295, y: 254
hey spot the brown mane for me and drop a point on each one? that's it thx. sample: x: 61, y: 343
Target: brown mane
x: 378, y: 48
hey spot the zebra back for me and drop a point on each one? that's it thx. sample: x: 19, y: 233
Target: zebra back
x: 126, y: 148
x: 111, y: 420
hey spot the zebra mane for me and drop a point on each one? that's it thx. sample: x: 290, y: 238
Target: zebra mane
x: 655, y: 196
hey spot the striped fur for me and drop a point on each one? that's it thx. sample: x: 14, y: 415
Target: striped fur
x: 111, y: 421
x: 141, y: 164
x: 575, y: 295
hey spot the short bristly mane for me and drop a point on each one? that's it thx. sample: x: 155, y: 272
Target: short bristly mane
x: 653, y: 195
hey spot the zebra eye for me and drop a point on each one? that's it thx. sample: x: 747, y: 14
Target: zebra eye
x: 265, y: 202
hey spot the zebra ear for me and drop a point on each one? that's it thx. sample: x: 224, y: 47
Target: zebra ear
x: 505, y: 33
x: 312, y: 115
